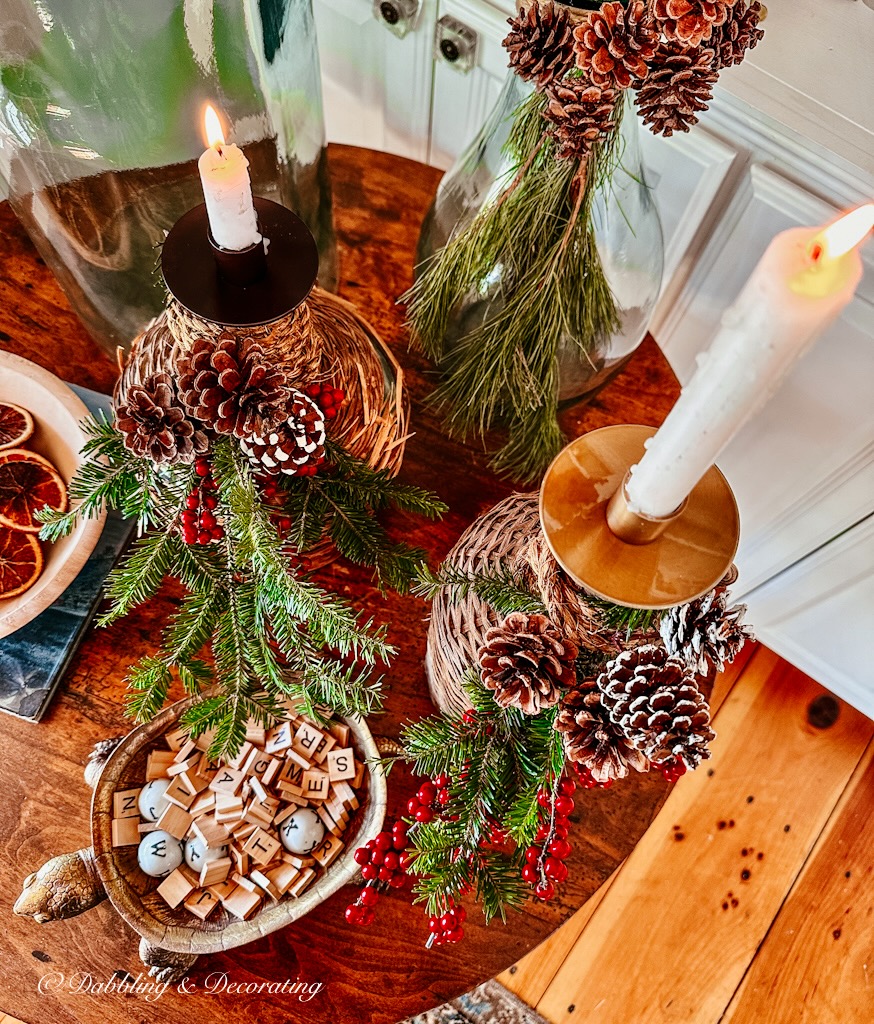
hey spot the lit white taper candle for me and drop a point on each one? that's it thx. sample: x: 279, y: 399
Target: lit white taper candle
x: 227, y: 189
x: 799, y: 287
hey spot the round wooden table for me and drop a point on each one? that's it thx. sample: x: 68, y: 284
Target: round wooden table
x: 377, y: 975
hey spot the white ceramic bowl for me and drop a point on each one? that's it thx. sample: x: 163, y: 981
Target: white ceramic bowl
x: 56, y: 413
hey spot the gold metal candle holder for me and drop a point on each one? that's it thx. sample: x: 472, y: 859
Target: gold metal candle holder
x: 618, y: 554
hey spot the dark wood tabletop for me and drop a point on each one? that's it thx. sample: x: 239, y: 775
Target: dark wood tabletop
x: 377, y: 975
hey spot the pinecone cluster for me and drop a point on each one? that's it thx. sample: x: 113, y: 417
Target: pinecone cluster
x: 643, y: 709
x: 154, y: 424
x: 705, y: 632
x: 540, y: 42
x: 592, y: 740
x: 670, y: 50
x: 527, y: 663
x: 678, y: 88
x: 295, y: 445
x: 229, y: 385
x: 580, y: 113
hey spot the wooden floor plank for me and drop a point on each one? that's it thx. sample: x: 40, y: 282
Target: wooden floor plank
x: 531, y: 977
x: 817, y: 964
x: 672, y: 939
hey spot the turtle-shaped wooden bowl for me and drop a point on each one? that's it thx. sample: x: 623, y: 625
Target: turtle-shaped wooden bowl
x: 171, y: 940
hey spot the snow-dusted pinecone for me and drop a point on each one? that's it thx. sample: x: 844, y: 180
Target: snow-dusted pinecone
x: 690, y: 22
x: 615, y: 43
x: 580, y: 113
x: 705, y: 632
x: 679, y: 87
x: 154, y: 424
x: 653, y: 701
x: 295, y: 446
x: 591, y: 739
x: 229, y: 384
x: 540, y: 42
x: 527, y: 663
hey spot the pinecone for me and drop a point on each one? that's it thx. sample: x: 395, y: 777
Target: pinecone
x: 690, y: 22
x: 580, y: 113
x: 679, y: 87
x: 615, y: 43
x: 654, y: 702
x: 739, y: 32
x: 591, y: 739
x: 295, y: 446
x: 704, y: 632
x: 155, y: 426
x: 540, y: 42
x: 527, y: 662
x: 230, y: 385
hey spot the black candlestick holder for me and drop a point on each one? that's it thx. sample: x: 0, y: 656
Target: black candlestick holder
x: 252, y: 287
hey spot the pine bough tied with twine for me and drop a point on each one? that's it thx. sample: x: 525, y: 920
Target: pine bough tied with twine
x: 537, y: 230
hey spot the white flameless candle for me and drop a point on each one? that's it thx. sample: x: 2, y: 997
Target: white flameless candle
x: 227, y: 189
x: 800, y: 285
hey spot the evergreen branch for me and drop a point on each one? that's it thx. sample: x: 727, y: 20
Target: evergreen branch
x: 139, y: 575
x: 498, y: 587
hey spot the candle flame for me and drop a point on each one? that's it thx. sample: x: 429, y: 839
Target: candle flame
x: 843, y: 235
x: 212, y: 128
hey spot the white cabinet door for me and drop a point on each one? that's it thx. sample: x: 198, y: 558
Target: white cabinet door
x: 376, y: 86
x: 817, y: 615
x: 470, y: 67
x: 798, y: 467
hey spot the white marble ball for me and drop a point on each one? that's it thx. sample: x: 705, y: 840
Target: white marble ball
x: 302, y: 831
x: 197, y: 853
x: 159, y: 853
x: 151, y: 802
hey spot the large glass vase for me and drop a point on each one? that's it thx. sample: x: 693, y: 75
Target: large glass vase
x: 101, y: 112
x: 627, y: 231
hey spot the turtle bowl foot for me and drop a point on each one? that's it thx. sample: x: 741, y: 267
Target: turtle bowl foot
x: 164, y: 964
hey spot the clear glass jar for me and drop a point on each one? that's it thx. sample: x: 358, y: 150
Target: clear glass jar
x: 627, y: 231
x: 101, y: 111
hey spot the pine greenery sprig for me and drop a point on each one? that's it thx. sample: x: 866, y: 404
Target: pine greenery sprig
x: 253, y: 631
x: 538, y: 234
x: 500, y: 587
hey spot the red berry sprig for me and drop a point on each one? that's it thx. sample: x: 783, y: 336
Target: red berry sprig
x: 447, y: 928
x: 586, y: 779
x: 327, y: 397
x: 198, y: 520
x: 545, y: 866
x: 384, y: 864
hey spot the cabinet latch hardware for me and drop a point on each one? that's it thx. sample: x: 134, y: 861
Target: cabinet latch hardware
x: 455, y: 43
x: 398, y: 16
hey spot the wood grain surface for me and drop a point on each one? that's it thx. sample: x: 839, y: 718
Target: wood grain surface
x: 682, y: 922
x: 378, y: 975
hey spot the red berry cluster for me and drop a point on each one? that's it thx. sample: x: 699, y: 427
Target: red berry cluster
x: 327, y: 398
x: 421, y: 807
x: 384, y: 863
x: 672, y: 769
x: 586, y: 779
x: 198, y: 518
x: 447, y: 928
x: 545, y: 863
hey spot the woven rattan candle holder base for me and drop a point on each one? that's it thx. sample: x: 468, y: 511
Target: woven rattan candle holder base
x: 324, y: 338
x: 508, y: 535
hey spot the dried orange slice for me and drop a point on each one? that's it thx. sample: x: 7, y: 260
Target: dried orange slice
x: 28, y: 482
x: 16, y: 425
x: 20, y: 562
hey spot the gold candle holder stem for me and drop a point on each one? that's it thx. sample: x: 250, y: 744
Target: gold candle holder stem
x: 635, y: 527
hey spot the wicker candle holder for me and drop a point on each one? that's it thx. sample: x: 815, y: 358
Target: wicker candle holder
x: 509, y: 534
x: 311, y: 334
